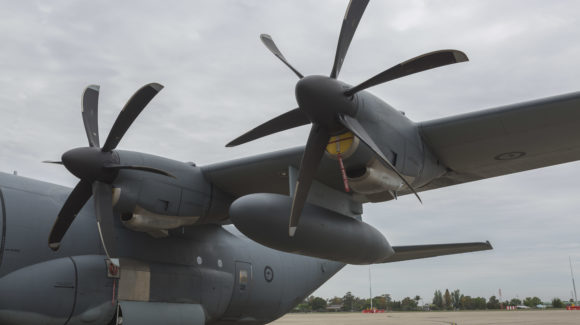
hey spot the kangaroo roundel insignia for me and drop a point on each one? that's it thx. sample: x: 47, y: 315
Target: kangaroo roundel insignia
x: 268, y: 274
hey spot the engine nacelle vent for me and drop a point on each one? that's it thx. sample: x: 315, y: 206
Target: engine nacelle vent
x: 374, y: 178
x: 156, y: 225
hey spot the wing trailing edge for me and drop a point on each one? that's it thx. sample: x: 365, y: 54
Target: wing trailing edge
x: 404, y: 253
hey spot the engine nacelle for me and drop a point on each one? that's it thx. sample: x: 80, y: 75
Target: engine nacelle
x: 321, y: 233
x: 366, y: 174
x: 155, y: 203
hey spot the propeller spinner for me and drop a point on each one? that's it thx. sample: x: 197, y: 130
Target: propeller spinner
x: 327, y: 104
x: 98, y: 167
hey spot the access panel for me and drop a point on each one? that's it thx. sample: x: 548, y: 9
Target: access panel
x: 242, y: 289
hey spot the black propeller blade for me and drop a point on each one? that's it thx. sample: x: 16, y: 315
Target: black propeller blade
x: 352, y: 17
x: 90, y: 112
x: 354, y: 126
x: 420, y: 63
x: 269, y: 42
x: 52, y: 162
x: 315, y: 146
x: 286, y: 121
x: 97, y: 167
x: 74, y: 203
x: 132, y: 109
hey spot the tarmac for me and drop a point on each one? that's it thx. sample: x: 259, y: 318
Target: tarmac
x: 528, y: 317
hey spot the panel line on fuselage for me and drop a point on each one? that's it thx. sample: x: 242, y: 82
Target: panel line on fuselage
x: 74, y: 304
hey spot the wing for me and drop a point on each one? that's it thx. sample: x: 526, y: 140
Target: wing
x: 267, y: 173
x: 404, y: 253
x: 473, y: 146
x: 505, y: 140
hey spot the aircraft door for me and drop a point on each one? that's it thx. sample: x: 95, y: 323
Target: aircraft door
x: 242, y: 289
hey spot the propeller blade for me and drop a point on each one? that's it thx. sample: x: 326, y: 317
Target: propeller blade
x: 286, y: 121
x: 103, y: 197
x: 90, y: 112
x: 74, y: 203
x: 352, y: 17
x: 420, y: 63
x: 354, y: 126
x: 269, y: 42
x: 141, y: 168
x: 129, y: 113
x: 313, y: 152
x: 52, y: 162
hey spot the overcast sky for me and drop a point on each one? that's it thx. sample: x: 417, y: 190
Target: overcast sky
x: 220, y: 81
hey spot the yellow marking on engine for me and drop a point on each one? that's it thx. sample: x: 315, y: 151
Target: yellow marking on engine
x: 340, y: 143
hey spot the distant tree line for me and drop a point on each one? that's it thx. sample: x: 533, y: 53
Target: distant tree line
x: 453, y: 300
x: 457, y: 301
x: 349, y: 302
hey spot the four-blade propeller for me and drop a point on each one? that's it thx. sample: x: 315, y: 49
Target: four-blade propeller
x: 327, y: 104
x: 98, y: 167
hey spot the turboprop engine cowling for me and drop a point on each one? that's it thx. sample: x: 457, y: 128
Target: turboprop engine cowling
x: 322, y: 233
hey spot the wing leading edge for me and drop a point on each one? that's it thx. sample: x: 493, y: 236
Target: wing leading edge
x: 267, y: 173
x: 505, y: 140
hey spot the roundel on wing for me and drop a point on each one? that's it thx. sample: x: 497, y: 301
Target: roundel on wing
x: 510, y: 155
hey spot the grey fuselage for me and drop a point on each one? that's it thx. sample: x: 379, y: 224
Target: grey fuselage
x: 195, y: 265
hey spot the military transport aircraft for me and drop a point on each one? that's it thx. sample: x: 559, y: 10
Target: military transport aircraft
x: 140, y: 238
